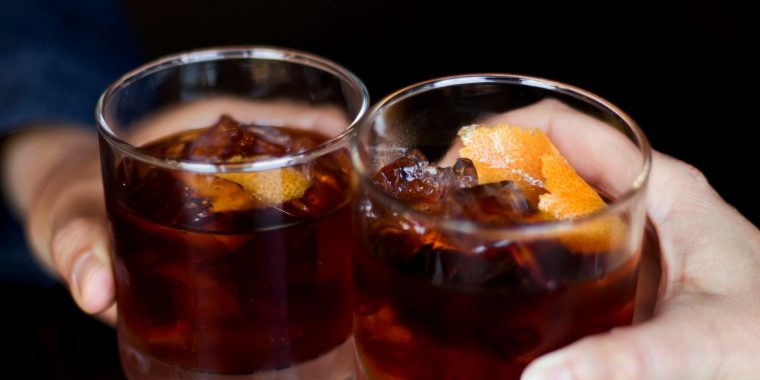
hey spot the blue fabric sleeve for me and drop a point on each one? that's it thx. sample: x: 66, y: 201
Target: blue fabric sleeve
x: 56, y: 57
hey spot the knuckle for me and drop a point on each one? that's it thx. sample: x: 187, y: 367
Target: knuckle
x: 687, y: 176
x: 682, y: 181
x: 68, y: 240
x: 553, y: 105
x: 692, y: 176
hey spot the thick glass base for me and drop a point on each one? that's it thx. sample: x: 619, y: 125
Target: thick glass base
x: 336, y: 364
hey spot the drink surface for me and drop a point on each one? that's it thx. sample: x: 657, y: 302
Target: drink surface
x: 232, y: 273
x: 432, y: 303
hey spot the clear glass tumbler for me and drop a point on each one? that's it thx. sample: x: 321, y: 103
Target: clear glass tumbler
x: 227, y: 183
x: 459, y: 277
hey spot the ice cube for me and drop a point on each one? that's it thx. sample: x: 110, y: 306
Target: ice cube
x: 300, y: 144
x: 272, y: 135
x: 396, y: 237
x: 500, y: 204
x: 165, y: 198
x: 318, y: 199
x: 549, y: 264
x: 464, y: 173
x: 477, y: 265
x: 292, y: 142
x: 497, y: 264
x: 412, y: 180
x: 228, y: 139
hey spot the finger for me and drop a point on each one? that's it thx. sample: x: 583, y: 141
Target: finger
x: 109, y: 316
x: 598, y: 151
x: 327, y: 119
x: 79, y: 244
x: 602, y: 154
x: 709, y: 246
x: 647, y: 352
x: 697, y: 230
x: 690, y: 216
x: 38, y: 146
x: 697, y: 336
x: 79, y: 250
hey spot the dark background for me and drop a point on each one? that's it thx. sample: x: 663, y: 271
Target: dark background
x: 682, y: 69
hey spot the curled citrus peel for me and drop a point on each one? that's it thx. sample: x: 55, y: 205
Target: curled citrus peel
x: 568, y: 195
x: 274, y: 186
x: 503, y: 152
x: 527, y: 157
x: 245, y: 191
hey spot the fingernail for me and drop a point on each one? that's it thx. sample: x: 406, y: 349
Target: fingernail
x: 549, y: 368
x: 91, y: 282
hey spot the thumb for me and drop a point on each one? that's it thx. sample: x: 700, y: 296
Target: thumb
x: 668, y: 348
x: 79, y: 253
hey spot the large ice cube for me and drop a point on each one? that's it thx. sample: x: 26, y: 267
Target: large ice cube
x: 412, y: 180
x: 455, y: 267
x: 500, y: 203
x: 463, y: 173
x: 228, y: 139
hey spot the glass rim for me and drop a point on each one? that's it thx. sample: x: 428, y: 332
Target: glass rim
x: 517, y: 231
x: 254, y: 52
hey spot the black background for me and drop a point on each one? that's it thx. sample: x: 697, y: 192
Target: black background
x: 682, y: 69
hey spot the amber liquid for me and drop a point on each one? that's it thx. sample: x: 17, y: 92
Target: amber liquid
x: 433, y: 313
x: 234, y: 292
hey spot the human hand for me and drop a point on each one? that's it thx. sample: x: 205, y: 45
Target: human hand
x: 705, y: 323
x: 52, y: 176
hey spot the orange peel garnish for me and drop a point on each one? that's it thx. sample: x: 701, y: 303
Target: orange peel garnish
x: 569, y: 196
x: 503, y: 152
x: 222, y: 194
x: 274, y: 186
x: 528, y: 157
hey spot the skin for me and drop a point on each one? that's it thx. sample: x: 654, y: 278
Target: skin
x: 704, y: 324
x: 51, y: 175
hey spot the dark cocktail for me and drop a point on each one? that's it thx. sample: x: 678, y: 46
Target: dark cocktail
x: 230, y: 248
x: 481, y: 247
